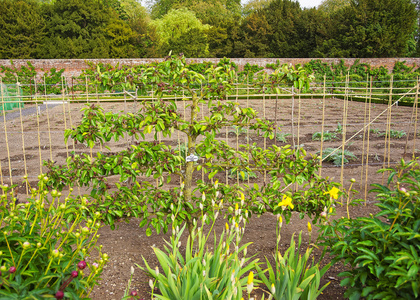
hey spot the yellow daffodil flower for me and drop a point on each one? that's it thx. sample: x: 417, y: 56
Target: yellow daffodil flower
x: 286, y: 201
x: 333, y: 193
x: 309, y: 227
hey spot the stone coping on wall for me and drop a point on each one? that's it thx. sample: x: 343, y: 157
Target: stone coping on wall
x: 73, y: 67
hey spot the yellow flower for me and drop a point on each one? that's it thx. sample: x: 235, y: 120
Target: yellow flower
x: 250, y: 278
x: 333, y: 193
x: 250, y: 283
x: 309, y: 227
x: 286, y: 201
x: 227, y: 226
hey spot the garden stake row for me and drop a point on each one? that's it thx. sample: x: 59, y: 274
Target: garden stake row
x: 5, y: 132
x: 411, y: 122
x: 63, y: 92
x: 364, y: 134
x: 322, y: 126
x: 416, y: 107
x: 23, y: 139
x: 368, y: 141
x: 343, y: 133
x: 388, y: 130
x: 48, y: 118
x: 38, y: 129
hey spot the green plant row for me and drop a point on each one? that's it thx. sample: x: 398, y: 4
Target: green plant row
x: 102, y: 77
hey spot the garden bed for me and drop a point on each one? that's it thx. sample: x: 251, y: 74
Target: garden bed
x: 128, y: 243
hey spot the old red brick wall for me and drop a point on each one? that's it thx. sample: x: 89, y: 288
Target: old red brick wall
x: 73, y: 67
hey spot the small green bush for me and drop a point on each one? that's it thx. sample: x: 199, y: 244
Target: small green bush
x: 395, y: 134
x: 282, y: 137
x: 337, y: 157
x: 327, y: 136
x: 382, y: 250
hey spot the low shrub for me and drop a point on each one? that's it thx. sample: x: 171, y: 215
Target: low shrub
x: 382, y: 251
x: 337, y: 157
x: 325, y: 136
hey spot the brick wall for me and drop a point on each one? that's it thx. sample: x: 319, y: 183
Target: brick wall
x: 73, y: 67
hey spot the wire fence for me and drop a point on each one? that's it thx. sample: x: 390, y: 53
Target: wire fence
x: 356, y: 128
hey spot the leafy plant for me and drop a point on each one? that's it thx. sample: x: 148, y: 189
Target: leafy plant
x: 339, y: 128
x: 336, y: 156
x: 199, y: 273
x: 374, y: 131
x: 293, y: 276
x: 153, y: 202
x: 238, y: 130
x: 46, y: 245
x: 242, y: 174
x: 326, y: 136
x: 282, y: 137
x: 395, y: 134
x: 382, y: 250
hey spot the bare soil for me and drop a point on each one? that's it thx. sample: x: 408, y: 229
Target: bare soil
x: 42, y: 139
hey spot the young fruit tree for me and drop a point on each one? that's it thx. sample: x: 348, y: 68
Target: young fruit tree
x: 290, y: 173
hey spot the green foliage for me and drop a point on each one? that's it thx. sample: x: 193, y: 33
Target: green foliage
x: 152, y: 202
x: 45, y: 237
x: 374, y: 130
x: 180, y: 31
x: 242, y: 174
x: 22, y: 29
x: 199, y: 273
x: 368, y: 28
x: 325, y: 136
x: 395, y: 134
x: 282, y: 16
x: 279, y: 28
x: 336, y: 156
x: 332, y: 6
x: 84, y: 37
x: 238, y: 130
x: 282, y: 137
x: 293, y: 275
x: 26, y: 75
x: 381, y: 250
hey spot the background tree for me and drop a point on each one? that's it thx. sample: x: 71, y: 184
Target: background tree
x: 76, y: 29
x: 282, y: 16
x: 180, y: 31
x: 372, y: 28
x: 253, y: 41
x: 22, y: 29
x: 332, y: 6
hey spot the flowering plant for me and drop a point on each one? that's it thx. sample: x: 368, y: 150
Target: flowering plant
x: 44, y: 248
x: 198, y: 273
x: 293, y: 276
x: 381, y: 251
